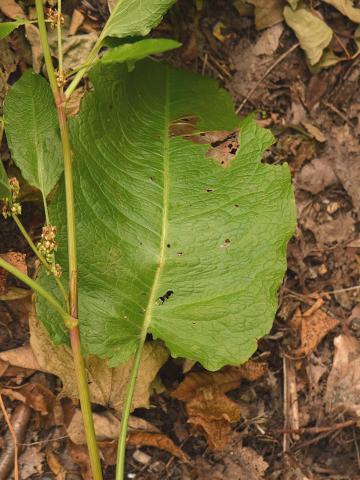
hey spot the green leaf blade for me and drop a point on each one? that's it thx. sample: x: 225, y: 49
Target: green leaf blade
x: 7, y: 27
x: 130, y: 52
x: 131, y: 17
x: 154, y: 214
x: 32, y: 131
x: 5, y: 193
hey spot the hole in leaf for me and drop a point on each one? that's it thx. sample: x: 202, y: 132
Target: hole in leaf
x: 224, y: 143
x: 226, y: 243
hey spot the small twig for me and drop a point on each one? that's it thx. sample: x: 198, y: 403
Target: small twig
x: 340, y: 290
x: 269, y: 70
x: 338, y: 112
x: 316, y: 430
x: 17, y: 429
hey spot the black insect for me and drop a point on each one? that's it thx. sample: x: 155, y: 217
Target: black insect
x: 166, y: 295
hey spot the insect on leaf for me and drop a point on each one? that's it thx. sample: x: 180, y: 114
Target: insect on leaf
x: 168, y: 236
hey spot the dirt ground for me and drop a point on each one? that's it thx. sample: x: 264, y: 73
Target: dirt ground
x: 299, y: 413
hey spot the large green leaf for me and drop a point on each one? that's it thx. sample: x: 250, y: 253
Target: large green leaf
x: 134, y: 17
x: 32, y: 131
x: 155, y: 214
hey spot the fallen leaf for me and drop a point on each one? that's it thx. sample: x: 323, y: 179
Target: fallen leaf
x: 33, y: 36
x: 312, y: 32
x: 31, y: 463
x: 267, y: 12
x: 244, y: 9
x: 316, y: 176
x: 77, y: 20
x: 346, y: 7
x: 107, y: 426
x: 55, y: 465
x: 314, y: 131
x: 312, y: 329
x: 11, y: 9
x: 22, y: 357
x: 15, y: 259
x: 208, y: 408
x: 35, y: 395
x: 107, y: 385
x: 343, y: 385
x: 158, y: 440
x: 79, y: 455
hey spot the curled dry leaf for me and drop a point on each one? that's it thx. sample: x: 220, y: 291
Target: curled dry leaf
x: 267, y: 12
x: 312, y: 32
x: 107, y: 427
x: 35, y: 395
x: 343, y: 386
x: 207, y: 406
x: 107, y: 385
x: 79, y: 455
x: 346, y: 7
x: 55, y: 465
x: 312, y: 329
x: 142, y: 439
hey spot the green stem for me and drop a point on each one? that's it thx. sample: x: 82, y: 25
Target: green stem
x: 41, y: 258
x: 68, y: 320
x: 88, y: 62
x: 74, y: 333
x: 121, y: 452
x: 60, y: 52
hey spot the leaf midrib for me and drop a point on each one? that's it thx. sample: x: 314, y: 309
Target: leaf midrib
x: 164, y: 222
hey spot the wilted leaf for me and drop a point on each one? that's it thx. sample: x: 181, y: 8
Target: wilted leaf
x: 32, y: 131
x: 313, y: 33
x: 75, y: 48
x: 106, y: 426
x: 7, y: 27
x: 131, y: 17
x: 11, y: 9
x: 22, y: 357
x: 158, y: 440
x: 343, y: 386
x: 207, y: 406
x: 267, y: 12
x: 35, y: 395
x: 312, y: 328
x: 143, y: 192
x: 107, y: 385
x: 130, y: 52
x: 346, y: 7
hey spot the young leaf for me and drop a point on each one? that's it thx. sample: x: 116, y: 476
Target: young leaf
x: 131, y: 17
x: 7, y: 27
x: 166, y: 234
x: 4, y: 183
x: 32, y: 131
x: 139, y: 50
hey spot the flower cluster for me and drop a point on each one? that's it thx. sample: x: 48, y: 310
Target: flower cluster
x: 53, y: 16
x: 13, y: 207
x: 47, y: 247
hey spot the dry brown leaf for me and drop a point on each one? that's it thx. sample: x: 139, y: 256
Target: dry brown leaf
x: 343, y: 386
x: 157, y: 440
x: 17, y: 260
x: 11, y: 9
x: 226, y: 379
x: 77, y: 20
x: 55, y: 465
x: 267, y: 12
x: 107, y: 427
x: 107, y: 385
x: 31, y: 463
x: 79, y: 455
x: 33, y: 36
x: 13, y: 293
x: 207, y: 406
x: 312, y: 329
x: 22, y: 357
x: 35, y: 395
